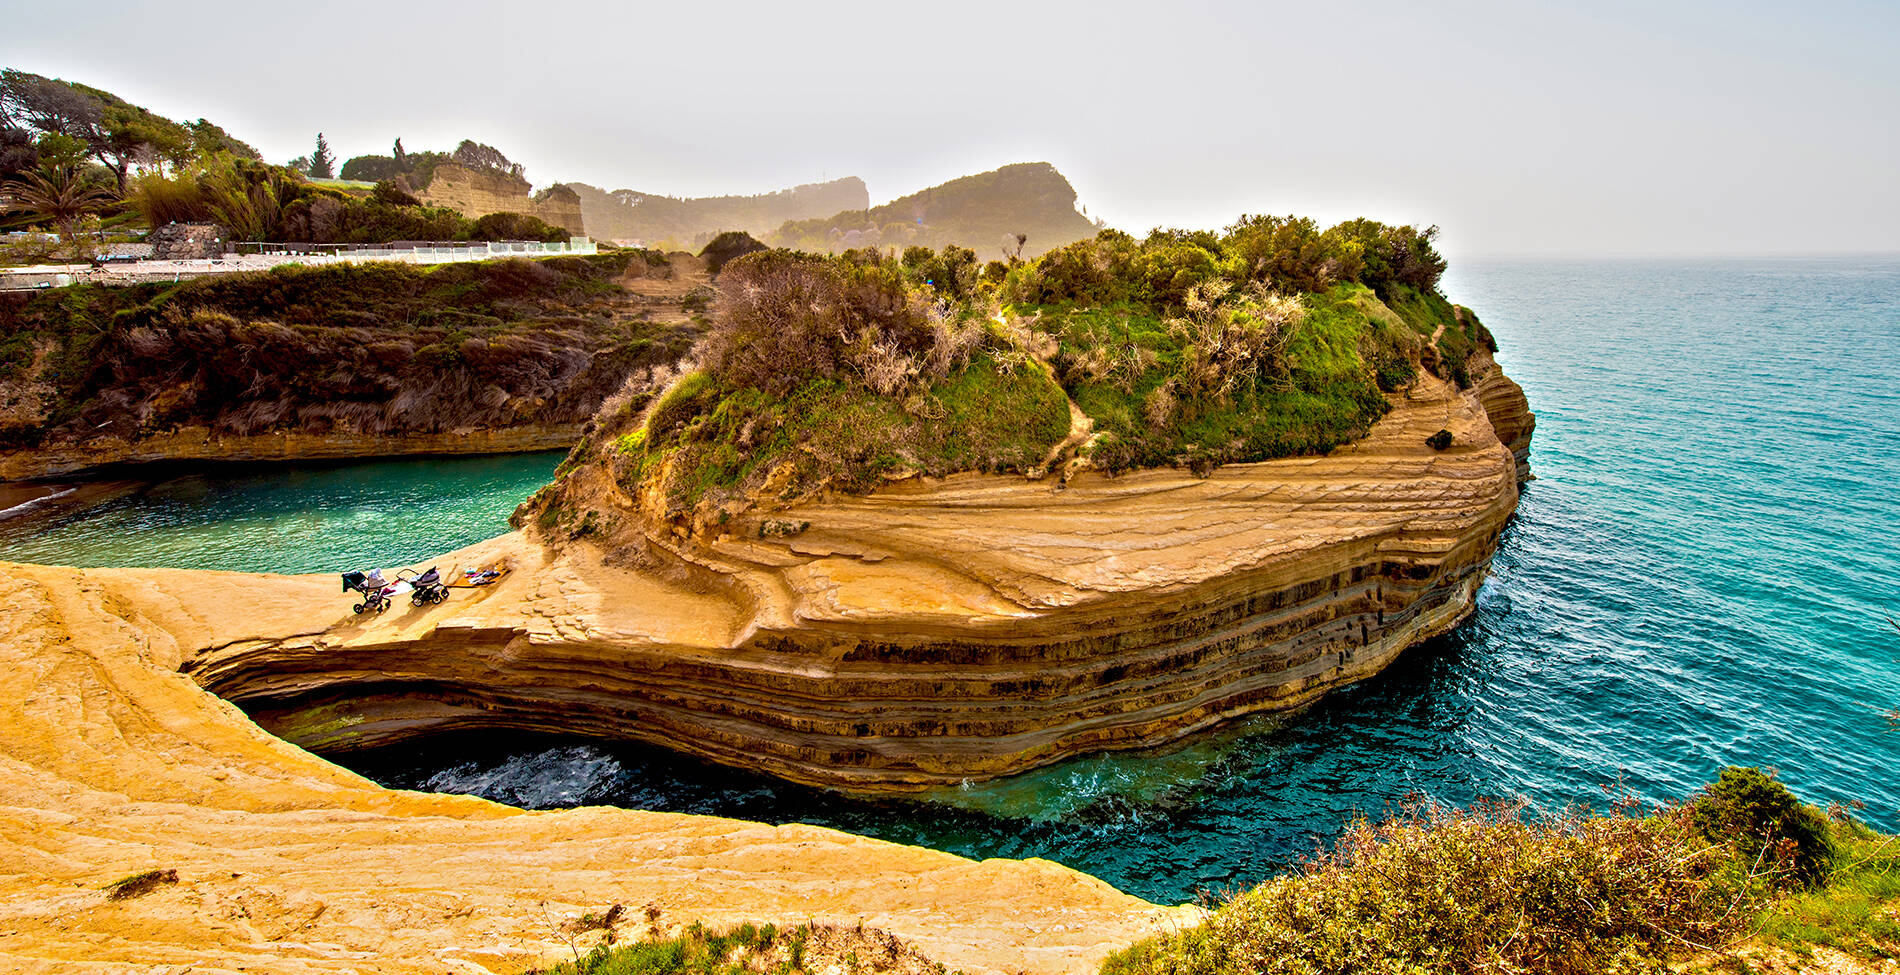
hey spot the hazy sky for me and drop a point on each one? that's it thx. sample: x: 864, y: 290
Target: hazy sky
x: 1519, y: 128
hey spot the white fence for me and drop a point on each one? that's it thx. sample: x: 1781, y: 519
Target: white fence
x: 433, y: 252
x: 139, y: 272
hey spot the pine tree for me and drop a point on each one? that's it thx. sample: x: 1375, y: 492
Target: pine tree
x: 402, y: 158
x: 322, y: 164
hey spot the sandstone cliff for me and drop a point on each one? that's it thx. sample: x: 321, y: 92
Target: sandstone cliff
x: 113, y: 764
x: 477, y: 192
x: 939, y: 630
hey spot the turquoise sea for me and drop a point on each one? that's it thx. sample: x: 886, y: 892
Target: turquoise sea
x: 280, y: 518
x: 1698, y: 577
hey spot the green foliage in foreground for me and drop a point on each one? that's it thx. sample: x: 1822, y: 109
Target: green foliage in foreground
x: 743, y: 950
x: 1765, y: 822
x: 1486, y: 890
x: 1854, y: 908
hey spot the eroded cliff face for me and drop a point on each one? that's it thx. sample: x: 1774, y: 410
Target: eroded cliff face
x: 112, y: 764
x: 941, y: 630
x: 335, y: 362
x: 478, y: 192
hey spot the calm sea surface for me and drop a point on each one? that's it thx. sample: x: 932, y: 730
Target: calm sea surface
x: 289, y: 518
x: 1697, y: 578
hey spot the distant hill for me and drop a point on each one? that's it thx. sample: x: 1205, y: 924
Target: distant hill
x: 632, y: 215
x: 1031, y: 199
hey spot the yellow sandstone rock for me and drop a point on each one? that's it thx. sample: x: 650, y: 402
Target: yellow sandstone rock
x: 941, y: 630
x: 113, y: 763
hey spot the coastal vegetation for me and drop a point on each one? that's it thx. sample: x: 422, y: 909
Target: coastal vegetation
x: 744, y: 949
x: 258, y: 201
x: 379, y: 348
x: 85, y: 163
x: 1194, y: 349
x: 1490, y: 889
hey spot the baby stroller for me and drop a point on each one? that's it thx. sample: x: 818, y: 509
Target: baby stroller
x: 375, y: 591
x: 429, y: 588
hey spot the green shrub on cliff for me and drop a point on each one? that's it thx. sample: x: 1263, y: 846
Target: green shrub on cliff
x: 1488, y: 890
x: 1190, y: 348
x: 1748, y: 808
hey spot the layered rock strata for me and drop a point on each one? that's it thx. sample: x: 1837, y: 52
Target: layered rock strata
x: 942, y: 630
x: 113, y: 764
x: 195, y: 444
x: 1504, y: 403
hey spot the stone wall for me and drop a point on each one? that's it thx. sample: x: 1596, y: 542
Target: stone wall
x: 479, y: 192
x: 188, y: 241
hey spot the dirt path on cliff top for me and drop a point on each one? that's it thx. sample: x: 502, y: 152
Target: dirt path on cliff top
x: 112, y: 763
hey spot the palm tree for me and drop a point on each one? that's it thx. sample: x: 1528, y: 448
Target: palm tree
x: 61, y: 195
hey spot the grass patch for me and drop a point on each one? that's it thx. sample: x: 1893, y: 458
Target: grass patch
x: 1123, y: 363
x: 139, y: 884
x: 1855, y: 909
x: 752, y: 949
x: 715, y: 441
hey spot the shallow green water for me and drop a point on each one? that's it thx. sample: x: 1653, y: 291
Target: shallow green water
x: 289, y: 518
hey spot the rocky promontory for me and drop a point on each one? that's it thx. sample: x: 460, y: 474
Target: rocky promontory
x: 941, y: 630
x: 798, y: 579
x: 891, y: 532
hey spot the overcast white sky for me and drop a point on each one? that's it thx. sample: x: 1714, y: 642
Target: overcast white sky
x: 1520, y: 128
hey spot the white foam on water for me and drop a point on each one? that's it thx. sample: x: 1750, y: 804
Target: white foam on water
x: 31, y: 503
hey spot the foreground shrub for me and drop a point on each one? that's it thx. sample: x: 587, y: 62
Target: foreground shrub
x: 1480, y: 890
x: 785, y: 317
x: 726, y: 247
x: 808, y: 949
x: 1748, y: 808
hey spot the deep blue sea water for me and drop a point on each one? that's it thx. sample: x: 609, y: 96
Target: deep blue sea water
x: 1697, y: 578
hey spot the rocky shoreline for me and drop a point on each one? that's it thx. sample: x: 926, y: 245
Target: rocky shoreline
x: 200, y: 445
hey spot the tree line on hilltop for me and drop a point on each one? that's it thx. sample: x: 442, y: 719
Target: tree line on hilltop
x: 86, y: 163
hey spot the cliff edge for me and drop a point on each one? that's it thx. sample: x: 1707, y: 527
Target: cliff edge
x: 355, y: 360
x: 113, y: 764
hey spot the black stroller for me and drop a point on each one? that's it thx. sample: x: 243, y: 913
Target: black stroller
x: 375, y: 591
x: 428, y: 588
